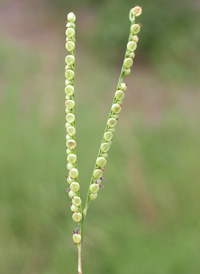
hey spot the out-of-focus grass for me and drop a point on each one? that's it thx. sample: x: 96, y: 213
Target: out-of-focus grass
x: 145, y: 220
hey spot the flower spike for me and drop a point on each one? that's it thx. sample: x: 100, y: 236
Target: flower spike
x: 72, y: 178
x: 115, y: 108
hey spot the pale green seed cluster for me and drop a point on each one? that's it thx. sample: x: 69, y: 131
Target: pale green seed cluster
x: 73, y: 173
x: 116, y: 106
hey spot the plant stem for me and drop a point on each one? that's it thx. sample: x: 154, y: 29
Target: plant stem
x: 79, y: 260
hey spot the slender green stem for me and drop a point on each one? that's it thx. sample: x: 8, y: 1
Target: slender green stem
x: 79, y: 260
x: 85, y: 209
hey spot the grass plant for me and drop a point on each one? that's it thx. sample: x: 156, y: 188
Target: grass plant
x: 80, y: 212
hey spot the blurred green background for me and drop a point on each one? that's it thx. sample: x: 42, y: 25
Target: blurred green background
x: 147, y: 218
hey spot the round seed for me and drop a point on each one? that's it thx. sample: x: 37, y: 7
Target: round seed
x: 68, y: 151
x: 76, y: 238
x: 135, y: 38
x: 67, y: 82
x: 108, y: 136
x: 70, y: 25
x: 93, y: 196
x: 111, y: 122
x: 123, y: 86
x: 112, y: 130
x: 97, y: 173
x: 136, y: 11
x: 76, y: 201
x: 69, y: 90
x: 71, y: 144
x: 105, y: 147
x: 127, y: 72
x: 131, y: 46
x: 77, y: 217
x: 71, y: 17
x: 131, y: 54
x: 116, y: 116
x: 105, y: 155
x: 66, y: 126
x: 75, y: 186
x: 116, y: 108
x: 69, y: 74
x: 71, y: 130
x: 72, y: 194
x: 72, y: 158
x: 135, y: 28
x: 70, y: 180
x: 70, y: 32
x: 73, y: 173
x: 128, y: 62
x: 74, y: 208
x: 70, y: 104
x: 69, y: 60
x: 70, y: 117
x: 70, y: 46
x: 94, y: 188
x: 69, y: 166
x: 119, y: 94
x: 101, y: 162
